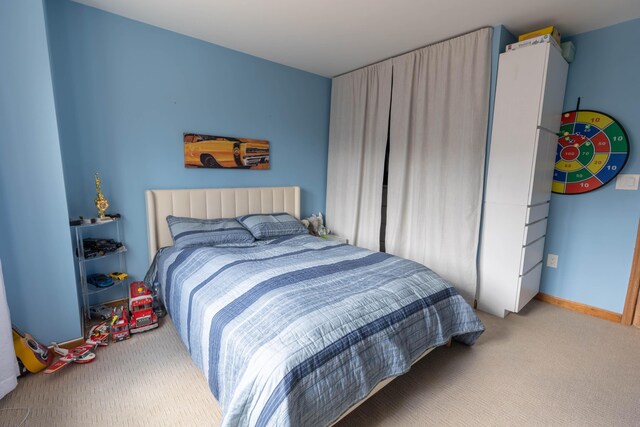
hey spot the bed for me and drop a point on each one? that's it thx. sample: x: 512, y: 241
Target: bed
x: 295, y: 330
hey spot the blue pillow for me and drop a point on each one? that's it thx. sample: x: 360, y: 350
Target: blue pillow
x: 272, y: 225
x: 206, y: 232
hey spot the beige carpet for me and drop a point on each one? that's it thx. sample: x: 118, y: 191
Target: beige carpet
x: 545, y: 366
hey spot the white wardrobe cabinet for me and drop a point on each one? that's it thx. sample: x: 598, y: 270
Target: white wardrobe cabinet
x: 528, y: 106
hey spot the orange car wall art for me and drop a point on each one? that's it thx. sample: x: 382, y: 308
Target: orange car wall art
x: 208, y: 151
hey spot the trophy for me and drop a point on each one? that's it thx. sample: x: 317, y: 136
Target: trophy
x: 101, y: 202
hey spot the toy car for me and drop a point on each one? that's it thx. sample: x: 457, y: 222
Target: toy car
x: 99, y: 280
x: 120, y: 329
x: 99, y: 247
x: 101, y: 312
x: 141, y: 306
x: 118, y: 276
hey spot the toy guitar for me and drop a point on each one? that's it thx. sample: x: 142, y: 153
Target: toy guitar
x: 31, y: 354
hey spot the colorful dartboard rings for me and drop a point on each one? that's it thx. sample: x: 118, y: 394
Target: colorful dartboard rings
x: 592, y: 149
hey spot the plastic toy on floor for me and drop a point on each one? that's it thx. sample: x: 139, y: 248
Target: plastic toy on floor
x: 98, y: 336
x: 141, y: 306
x: 120, y: 325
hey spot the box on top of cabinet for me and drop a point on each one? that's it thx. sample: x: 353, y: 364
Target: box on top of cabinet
x: 551, y: 30
x: 532, y: 42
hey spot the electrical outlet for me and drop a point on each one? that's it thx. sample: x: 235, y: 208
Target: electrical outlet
x: 552, y: 261
x: 626, y: 181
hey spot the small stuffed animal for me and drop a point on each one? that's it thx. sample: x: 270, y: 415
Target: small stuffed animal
x: 315, y: 225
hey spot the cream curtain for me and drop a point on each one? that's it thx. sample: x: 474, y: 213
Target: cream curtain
x: 438, y: 133
x: 358, y: 132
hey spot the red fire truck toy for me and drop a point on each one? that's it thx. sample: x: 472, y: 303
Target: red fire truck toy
x: 120, y: 325
x: 141, y: 306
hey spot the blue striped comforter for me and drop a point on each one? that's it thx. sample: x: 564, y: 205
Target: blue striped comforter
x: 295, y: 330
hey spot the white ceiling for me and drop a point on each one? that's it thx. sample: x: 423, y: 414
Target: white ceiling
x: 330, y: 37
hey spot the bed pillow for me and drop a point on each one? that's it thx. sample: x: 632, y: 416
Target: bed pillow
x: 206, y: 232
x: 272, y: 225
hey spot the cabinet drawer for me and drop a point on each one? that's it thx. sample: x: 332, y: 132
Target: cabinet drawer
x: 537, y: 212
x: 531, y: 255
x: 528, y: 286
x: 533, y: 232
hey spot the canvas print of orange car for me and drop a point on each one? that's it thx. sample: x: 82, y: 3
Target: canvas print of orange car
x: 208, y: 151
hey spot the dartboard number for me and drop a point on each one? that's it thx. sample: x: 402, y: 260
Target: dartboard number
x: 617, y: 137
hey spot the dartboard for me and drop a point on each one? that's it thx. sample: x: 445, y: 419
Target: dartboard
x: 592, y: 149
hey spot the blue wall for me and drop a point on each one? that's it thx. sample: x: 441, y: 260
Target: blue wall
x: 34, y: 231
x: 126, y: 91
x: 594, y: 233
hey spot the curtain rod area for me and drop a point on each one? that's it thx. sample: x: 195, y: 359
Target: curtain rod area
x: 409, y: 51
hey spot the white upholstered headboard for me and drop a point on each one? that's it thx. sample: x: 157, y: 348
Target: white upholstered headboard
x: 212, y: 203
